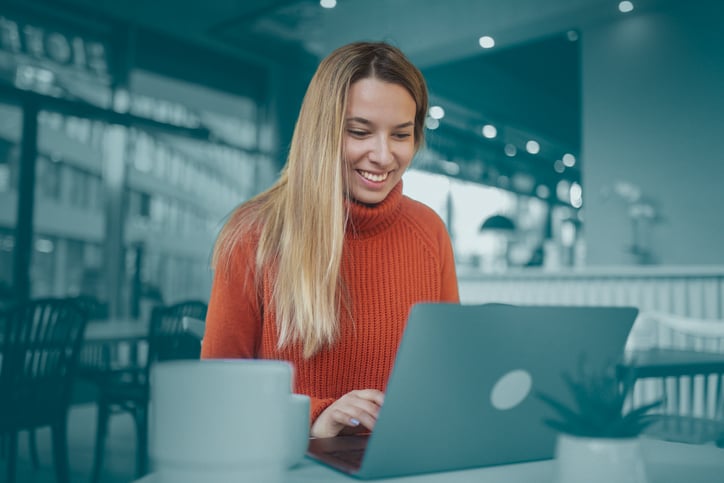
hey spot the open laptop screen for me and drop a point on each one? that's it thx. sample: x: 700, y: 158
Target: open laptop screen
x: 462, y: 391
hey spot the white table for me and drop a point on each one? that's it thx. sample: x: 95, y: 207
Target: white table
x: 116, y: 343
x: 123, y: 329
x: 665, y: 462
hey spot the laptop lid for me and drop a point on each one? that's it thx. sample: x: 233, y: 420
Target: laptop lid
x: 462, y: 390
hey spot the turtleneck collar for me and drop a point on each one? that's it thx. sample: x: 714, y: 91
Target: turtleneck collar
x: 368, y: 220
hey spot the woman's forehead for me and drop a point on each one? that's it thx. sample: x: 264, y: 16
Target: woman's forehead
x: 370, y: 98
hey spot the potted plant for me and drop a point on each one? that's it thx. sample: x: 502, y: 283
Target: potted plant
x: 598, y: 437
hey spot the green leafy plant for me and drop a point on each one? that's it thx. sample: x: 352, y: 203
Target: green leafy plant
x: 600, y: 407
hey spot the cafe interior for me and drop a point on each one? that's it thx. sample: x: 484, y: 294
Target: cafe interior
x: 569, y: 151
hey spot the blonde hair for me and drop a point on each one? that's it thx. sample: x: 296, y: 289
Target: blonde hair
x: 301, y: 219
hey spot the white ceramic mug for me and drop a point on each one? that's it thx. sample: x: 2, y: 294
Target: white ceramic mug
x: 220, y: 421
x: 297, y: 430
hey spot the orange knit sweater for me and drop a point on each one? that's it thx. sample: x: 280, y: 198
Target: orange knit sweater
x: 396, y: 253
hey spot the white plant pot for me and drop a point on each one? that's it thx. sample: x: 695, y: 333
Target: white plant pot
x: 599, y: 460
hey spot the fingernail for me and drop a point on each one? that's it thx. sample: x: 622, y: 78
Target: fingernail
x: 354, y: 422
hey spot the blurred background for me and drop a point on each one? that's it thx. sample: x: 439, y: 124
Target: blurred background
x: 571, y: 151
x: 563, y: 135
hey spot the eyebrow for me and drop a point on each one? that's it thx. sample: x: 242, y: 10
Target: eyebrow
x: 367, y: 122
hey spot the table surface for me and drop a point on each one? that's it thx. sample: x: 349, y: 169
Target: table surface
x: 116, y: 330
x: 666, y: 462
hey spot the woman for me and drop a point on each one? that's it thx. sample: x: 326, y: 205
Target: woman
x: 322, y: 268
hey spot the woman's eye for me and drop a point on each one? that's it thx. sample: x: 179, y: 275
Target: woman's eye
x: 402, y: 135
x: 355, y: 132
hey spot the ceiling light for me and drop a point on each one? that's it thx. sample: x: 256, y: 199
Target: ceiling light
x: 543, y: 191
x: 328, y: 3
x: 490, y: 131
x: 532, y: 147
x: 569, y: 160
x: 558, y: 166
x: 432, y: 123
x: 510, y: 150
x: 625, y: 6
x: 576, y: 195
x: 487, y: 42
x: 572, y: 35
x: 437, y: 112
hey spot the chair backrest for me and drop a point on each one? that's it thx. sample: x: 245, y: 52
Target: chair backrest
x: 93, y: 308
x: 40, y: 346
x: 167, y: 337
x: 697, y: 395
x: 194, y: 327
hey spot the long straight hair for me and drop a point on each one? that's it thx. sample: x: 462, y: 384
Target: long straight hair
x: 300, y: 221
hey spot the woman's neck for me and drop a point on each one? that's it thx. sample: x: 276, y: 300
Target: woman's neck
x: 367, y: 220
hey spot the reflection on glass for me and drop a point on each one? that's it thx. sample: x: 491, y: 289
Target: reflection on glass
x: 69, y: 207
x: 54, y: 61
x: 10, y: 126
x: 43, y: 269
x: 7, y: 244
x: 157, y: 195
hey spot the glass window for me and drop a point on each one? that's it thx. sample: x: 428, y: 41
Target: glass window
x: 11, y: 119
x: 42, y: 270
x: 10, y: 126
x: 47, y: 179
x: 7, y: 243
x: 69, y: 199
x: 75, y: 268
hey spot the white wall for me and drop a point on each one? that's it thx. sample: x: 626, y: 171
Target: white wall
x: 653, y: 115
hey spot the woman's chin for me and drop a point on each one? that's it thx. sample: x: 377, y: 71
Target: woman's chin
x: 369, y: 198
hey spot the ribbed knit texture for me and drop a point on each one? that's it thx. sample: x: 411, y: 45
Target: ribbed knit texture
x: 396, y: 253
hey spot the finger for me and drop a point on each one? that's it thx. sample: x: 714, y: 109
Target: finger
x: 325, y: 426
x: 355, y: 412
x: 367, y: 420
x: 378, y: 397
x: 359, y: 406
x: 354, y: 418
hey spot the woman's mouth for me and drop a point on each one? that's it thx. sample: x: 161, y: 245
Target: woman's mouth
x: 374, y: 177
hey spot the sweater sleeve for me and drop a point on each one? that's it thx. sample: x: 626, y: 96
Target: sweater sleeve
x: 233, y: 320
x: 317, y: 407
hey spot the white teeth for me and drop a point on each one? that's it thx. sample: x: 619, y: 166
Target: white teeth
x: 373, y: 177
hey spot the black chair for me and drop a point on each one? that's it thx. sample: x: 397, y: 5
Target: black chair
x: 128, y: 389
x: 40, y: 345
x: 93, y: 309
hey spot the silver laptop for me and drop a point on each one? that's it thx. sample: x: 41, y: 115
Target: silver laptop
x: 462, y: 393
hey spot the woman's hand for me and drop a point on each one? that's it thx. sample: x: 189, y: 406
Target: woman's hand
x: 353, y: 410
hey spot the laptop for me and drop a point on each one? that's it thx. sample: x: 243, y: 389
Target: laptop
x: 462, y: 390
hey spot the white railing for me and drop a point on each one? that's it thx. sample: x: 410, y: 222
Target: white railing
x: 688, y: 291
x: 696, y: 292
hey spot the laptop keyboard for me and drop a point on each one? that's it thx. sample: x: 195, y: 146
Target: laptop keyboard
x: 352, y: 457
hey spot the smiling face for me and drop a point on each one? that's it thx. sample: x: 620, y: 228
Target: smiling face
x: 379, y: 140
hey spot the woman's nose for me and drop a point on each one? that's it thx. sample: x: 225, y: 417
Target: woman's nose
x: 381, y: 152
